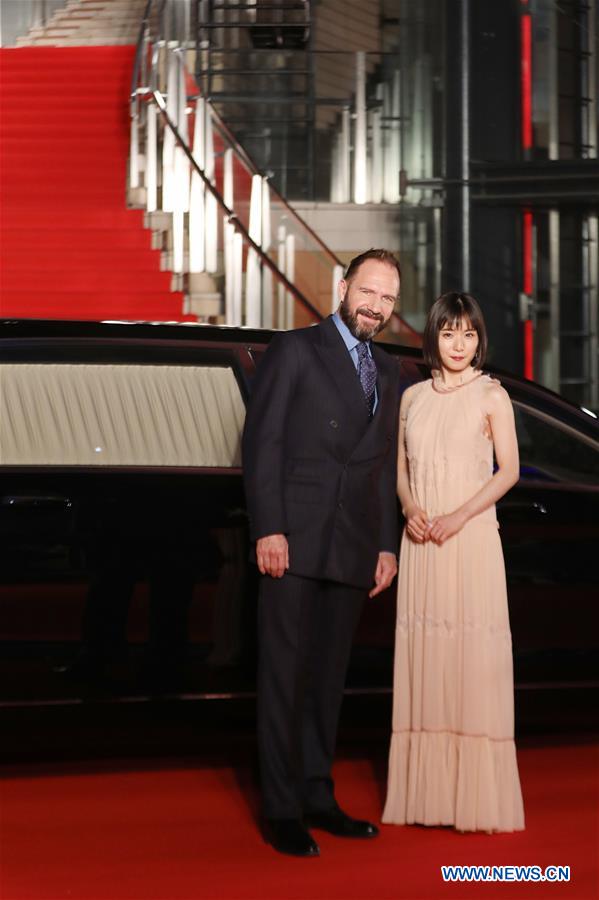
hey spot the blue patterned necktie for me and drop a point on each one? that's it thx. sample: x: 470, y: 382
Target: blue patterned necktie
x: 367, y: 374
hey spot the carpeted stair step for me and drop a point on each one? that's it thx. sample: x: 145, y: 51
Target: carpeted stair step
x: 69, y: 247
x: 114, y: 258
x: 48, y: 61
x: 44, y: 107
x: 70, y: 279
x: 21, y: 215
x: 94, y: 145
x: 56, y: 170
x: 73, y: 197
x: 72, y: 117
x: 65, y: 131
x: 66, y: 240
x: 96, y: 82
x: 94, y: 305
x: 47, y: 65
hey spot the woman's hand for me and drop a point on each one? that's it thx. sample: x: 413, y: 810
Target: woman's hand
x: 443, y: 527
x: 416, y: 523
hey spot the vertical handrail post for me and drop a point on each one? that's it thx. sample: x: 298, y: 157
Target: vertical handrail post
x: 281, y: 302
x: 290, y: 275
x: 267, y: 304
x: 345, y: 177
x: 232, y: 312
x: 376, y: 162
x: 211, y: 208
x: 337, y: 276
x: 253, y: 283
x: 197, y: 219
x: 360, y: 132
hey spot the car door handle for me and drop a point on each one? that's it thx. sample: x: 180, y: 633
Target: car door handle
x: 524, y: 506
x: 31, y: 501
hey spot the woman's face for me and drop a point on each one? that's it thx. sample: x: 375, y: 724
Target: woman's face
x: 458, y: 342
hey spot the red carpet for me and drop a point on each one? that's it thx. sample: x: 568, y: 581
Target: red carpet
x: 181, y: 831
x: 69, y: 246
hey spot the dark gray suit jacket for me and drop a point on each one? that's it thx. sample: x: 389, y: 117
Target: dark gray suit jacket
x: 315, y: 467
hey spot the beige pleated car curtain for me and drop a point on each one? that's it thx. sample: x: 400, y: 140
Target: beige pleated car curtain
x: 119, y: 415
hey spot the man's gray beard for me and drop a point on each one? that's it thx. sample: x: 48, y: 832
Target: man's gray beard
x: 359, y: 331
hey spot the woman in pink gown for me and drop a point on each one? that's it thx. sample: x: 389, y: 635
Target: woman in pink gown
x: 452, y: 759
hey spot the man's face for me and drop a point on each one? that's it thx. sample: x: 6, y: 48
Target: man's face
x: 368, y: 299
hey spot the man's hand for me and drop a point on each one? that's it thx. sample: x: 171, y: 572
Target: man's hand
x: 272, y: 553
x: 386, y: 570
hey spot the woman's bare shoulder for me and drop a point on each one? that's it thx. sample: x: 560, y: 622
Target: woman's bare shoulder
x: 496, y: 396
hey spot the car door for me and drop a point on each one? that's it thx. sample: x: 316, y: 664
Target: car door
x: 550, y: 533
x: 121, y: 513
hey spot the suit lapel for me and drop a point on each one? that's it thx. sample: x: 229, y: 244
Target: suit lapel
x: 373, y: 437
x: 339, y: 364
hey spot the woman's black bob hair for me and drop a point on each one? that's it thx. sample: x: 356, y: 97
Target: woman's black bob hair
x: 448, y: 310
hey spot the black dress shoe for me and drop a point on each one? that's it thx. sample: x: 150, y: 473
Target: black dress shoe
x: 336, y: 822
x: 289, y: 836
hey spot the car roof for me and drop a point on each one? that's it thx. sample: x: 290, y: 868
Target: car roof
x: 22, y: 329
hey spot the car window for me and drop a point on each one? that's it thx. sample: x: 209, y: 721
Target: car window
x: 120, y: 415
x: 410, y: 373
x: 550, y: 451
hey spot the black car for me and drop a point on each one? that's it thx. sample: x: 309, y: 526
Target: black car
x: 124, y: 559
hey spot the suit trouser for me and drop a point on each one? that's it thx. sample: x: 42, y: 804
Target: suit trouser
x: 305, y: 630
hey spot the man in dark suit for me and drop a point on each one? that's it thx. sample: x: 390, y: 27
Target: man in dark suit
x: 319, y: 458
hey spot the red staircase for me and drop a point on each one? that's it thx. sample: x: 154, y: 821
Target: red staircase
x: 69, y: 247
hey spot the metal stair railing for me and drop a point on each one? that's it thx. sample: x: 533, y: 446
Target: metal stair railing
x: 182, y: 198
x: 231, y: 218
x: 237, y: 249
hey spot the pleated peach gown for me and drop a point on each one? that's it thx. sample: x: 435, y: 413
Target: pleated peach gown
x: 452, y: 759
